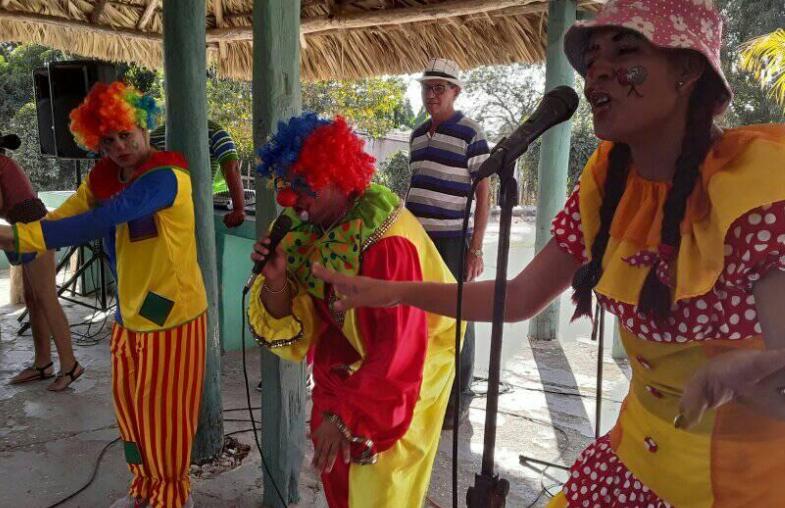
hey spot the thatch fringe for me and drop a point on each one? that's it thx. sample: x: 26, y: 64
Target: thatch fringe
x: 489, y: 32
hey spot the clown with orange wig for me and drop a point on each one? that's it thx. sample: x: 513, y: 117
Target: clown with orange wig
x: 139, y: 202
x: 382, y: 376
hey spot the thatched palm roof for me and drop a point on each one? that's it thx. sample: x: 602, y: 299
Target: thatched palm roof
x: 339, y: 38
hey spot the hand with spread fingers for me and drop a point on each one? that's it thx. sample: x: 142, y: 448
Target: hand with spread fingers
x: 753, y: 377
x: 359, y: 291
x: 328, y: 442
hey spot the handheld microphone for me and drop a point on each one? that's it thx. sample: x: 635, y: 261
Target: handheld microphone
x: 556, y: 106
x: 281, y: 226
x: 10, y: 142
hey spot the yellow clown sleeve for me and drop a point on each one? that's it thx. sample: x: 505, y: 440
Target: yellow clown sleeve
x: 290, y: 336
x: 29, y: 237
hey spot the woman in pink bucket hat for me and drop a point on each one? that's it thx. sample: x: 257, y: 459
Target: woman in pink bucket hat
x: 678, y: 227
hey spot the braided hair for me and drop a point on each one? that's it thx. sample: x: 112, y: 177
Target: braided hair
x: 655, y: 297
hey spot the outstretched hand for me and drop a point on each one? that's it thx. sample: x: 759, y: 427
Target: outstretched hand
x: 734, y: 375
x: 358, y: 291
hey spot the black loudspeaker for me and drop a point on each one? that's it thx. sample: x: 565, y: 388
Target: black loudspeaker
x: 59, y: 88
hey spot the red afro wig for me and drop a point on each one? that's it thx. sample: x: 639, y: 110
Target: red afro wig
x: 334, y: 153
x: 111, y: 107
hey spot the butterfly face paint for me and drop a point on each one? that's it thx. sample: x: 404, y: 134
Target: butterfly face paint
x: 633, y: 77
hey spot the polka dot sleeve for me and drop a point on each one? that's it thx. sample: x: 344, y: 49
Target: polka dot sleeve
x: 755, y: 245
x: 566, y: 228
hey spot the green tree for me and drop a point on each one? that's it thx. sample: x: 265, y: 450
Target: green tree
x: 503, y: 97
x: 145, y: 80
x: 45, y: 173
x: 746, y: 19
x: 229, y: 105
x: 764, y: 56
x: 395, y: 173
x: 374, y: 105
x: 17, y: 63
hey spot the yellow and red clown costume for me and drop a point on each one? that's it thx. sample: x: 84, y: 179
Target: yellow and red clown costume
x: 384, y: 373
x: 158, y: 341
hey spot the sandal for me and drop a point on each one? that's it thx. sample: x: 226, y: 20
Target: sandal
x: 75, y: 372
x: 34, y: 374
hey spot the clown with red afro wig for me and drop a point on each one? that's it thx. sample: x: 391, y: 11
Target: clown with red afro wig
x: 113, y: 107
x: 314, y: 152
x: 382, y: 377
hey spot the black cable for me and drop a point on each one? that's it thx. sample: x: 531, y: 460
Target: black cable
x: 253, y: 423
x: 250, y: 411
x: 92, y: 476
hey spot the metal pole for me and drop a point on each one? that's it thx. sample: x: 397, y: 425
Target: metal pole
x: 554, y: 153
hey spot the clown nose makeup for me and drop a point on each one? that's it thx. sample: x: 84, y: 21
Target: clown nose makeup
x: 286, y: 198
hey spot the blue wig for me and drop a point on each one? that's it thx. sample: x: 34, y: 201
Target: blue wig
x: 283, y: 148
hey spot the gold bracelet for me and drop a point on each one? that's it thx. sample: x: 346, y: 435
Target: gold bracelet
x: 367, y: 455
x: 268, y: 289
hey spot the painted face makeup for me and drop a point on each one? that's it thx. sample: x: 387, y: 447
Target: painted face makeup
x: 633, y: 77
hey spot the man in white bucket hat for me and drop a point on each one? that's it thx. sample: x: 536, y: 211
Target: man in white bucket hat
x: 445, y: 152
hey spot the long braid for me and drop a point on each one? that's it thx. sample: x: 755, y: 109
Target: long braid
x: 655, y: 297
x: 587, y: 276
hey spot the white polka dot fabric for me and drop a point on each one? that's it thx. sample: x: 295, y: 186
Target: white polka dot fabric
x: 754, y: 245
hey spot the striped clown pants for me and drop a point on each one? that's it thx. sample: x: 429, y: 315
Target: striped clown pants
x: 157, y: 386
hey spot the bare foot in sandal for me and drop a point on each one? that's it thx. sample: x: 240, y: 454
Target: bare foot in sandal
x: 33, y: 373
x: 64, y: 379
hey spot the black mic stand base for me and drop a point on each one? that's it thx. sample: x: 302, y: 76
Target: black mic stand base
x: 526, y: 461
x: 488, y: 492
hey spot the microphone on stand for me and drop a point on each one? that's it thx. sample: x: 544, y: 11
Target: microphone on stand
x: 556, y: 106
x: 280, y: 227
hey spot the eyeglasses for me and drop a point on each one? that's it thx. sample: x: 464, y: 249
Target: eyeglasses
x: 436, y: 89
x: 298, y: 185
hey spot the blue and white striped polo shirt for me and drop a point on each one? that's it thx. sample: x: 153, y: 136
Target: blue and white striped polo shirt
x: 442, y: 168
x: 221, y: 145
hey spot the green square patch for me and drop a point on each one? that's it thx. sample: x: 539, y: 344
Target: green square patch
x: 132, y: 455
x: 156, y: 308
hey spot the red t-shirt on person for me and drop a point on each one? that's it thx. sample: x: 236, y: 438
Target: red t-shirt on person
x: 15, y: 187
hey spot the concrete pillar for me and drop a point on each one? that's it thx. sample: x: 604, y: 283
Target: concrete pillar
x: 186, y: 127
x: 276, y: 96
x: 554, y: 154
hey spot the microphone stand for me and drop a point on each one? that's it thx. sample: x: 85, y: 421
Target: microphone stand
x: 489, y: 490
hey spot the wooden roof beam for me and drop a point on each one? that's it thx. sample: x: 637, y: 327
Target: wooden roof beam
x: 218, y: 9
x: 147, y: 15
x: 98, y: 9
x: 85, y: 26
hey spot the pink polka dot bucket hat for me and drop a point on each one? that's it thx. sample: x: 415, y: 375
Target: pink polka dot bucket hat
x: 670, y: 24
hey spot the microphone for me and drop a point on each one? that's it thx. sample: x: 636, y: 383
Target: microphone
x: 281, y: 226
x: 556, y: 106
x: 10, y: 141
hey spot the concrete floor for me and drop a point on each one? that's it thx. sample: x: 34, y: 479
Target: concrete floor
x: 49, y: 442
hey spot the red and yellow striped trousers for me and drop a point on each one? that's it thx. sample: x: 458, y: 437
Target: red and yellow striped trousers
x: 157, y: 385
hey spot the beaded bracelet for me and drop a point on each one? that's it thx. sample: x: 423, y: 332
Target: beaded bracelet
x: 367, y: 456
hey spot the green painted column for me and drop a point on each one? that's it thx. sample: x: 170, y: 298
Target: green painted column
x: 276, y: 96
x: 186, y: 127
x: 554, y: 154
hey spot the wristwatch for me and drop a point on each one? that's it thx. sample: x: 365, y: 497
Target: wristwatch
x: 476, y: 252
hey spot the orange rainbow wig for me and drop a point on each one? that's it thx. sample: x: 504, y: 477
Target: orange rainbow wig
x: 109, y: 108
